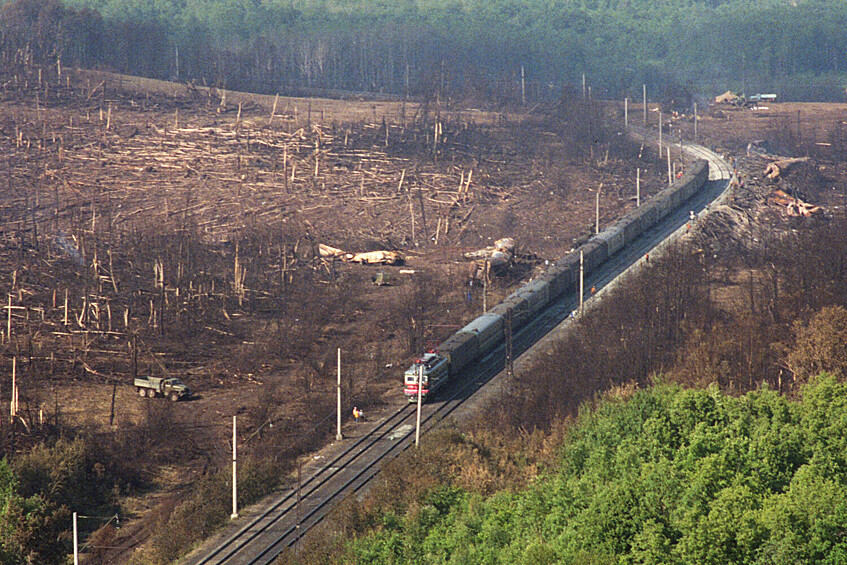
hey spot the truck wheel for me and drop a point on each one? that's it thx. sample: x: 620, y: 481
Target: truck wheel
x: 174, y: 396
x: 141, y: 392
x: 151, y: 393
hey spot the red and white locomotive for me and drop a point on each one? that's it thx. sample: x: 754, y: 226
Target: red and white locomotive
x: 431, y: 370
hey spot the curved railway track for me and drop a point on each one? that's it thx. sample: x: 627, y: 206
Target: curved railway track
x: 283, y: 523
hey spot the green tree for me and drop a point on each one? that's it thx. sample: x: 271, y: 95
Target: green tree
x: 32, y: 529
x: 666, y: 476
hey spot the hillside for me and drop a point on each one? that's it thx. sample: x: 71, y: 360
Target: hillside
x: 664, y: 475
x: 156, y: 228
x: 172, y: 228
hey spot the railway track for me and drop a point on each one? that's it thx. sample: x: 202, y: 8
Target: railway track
x: 284, y: 522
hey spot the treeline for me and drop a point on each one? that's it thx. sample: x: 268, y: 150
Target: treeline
x: 502, y: 51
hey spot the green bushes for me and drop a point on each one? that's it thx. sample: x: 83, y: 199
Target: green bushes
x: 32, y: 529
x: 38, y: 492
x: 67, y: 474
x: 666, y: 476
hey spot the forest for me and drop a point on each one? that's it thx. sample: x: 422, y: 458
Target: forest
x: 731, y: 451
x: 494, y: 52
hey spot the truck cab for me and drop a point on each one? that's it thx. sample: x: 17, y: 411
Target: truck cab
x: 433, y: 370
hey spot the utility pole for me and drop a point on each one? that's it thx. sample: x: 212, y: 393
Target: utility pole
x: 581, y: 283
x: 626, y: 113
x: 76, y: 542
x: 660, y: 135
x: 134, y: 352
x: 299, y: 500
x: 234, y: 514
x: 583, y: 86
x: 670, y: 173
x: 485, y: 287
x: 338, y: 436
x: 644, y: 101
x: 420, y: 401
x: 637, y: 187
x: 695, y: 122
x: 510, y: 367
x: 523, y: 86
x: 13, y: 408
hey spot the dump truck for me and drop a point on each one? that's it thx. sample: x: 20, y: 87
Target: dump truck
x: 168, y: 387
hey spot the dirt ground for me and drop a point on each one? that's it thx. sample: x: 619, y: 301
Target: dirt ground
x: 142, y: 200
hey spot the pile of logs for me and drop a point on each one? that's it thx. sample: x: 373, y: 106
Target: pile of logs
x: 792, y: 205
x: 381, y: 257
x: 497, y: 257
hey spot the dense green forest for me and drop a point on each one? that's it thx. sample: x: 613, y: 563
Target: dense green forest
x: 467, y: 49
x: 663, y: 475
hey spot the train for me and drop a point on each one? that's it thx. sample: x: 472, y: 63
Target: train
x: 435, y: 368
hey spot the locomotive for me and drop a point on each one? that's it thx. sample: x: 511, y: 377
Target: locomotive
x: 436, y: 368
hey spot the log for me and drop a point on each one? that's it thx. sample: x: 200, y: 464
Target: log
x: 778, y: 168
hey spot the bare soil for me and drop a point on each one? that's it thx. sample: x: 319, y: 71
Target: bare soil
x: 754, y: 137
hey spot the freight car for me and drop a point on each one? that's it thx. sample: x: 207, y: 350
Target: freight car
x: 437, y: 367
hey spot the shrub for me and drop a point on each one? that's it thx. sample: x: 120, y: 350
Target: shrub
x: 209, y: 506
x: 32, y: 529
x: 665, y: 475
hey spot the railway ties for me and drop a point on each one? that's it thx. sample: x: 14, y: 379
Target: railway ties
x: 314, y: 507
x: 321, y: 483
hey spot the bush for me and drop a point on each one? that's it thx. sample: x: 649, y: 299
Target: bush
x: 32, y: 528
x: 209, y: 507
x: 66, y: 474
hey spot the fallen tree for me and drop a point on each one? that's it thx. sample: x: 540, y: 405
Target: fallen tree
x: 780, y: 167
